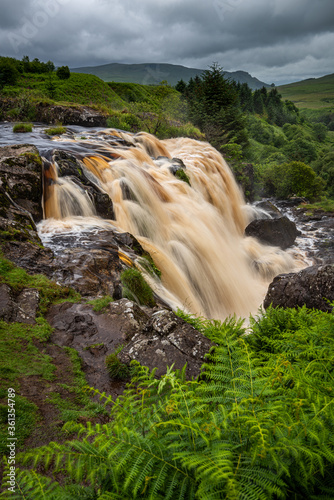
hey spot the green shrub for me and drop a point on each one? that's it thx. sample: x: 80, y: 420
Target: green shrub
x: 63, y: 73
x: 291, y: 179
x: 135, y: 287
x: 22, y: 127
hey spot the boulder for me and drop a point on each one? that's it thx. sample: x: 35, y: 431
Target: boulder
x: 67, y: 115
x: 95, y: 335
x: 312, y: 287
x: 270, y: 208
x: 167, y: 340
x: 21, y: 178
x: 154, y: 337
x: 92, y: 273
x: 280, y: 232
x: 21, y: 308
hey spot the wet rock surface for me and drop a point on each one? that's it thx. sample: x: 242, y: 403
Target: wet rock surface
x: 21, y: 177
x: 155, y: 338
x: 281, y: 232
x: 167, y: 340
x: 312, y: 287
x: 318, y: 225
x: 20, y: 307
x: 79, y: 115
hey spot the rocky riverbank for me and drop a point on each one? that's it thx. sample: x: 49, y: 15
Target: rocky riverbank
x: 92, y: 263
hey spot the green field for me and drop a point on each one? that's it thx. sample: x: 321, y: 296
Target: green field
x: 314, y: 93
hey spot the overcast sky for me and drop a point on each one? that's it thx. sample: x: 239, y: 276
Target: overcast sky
x: 276, y: 41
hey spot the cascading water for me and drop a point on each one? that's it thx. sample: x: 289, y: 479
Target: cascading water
x: 194, y: 233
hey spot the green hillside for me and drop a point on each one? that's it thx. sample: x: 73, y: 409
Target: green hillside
x: 152, y: 74
x: 80, y: 89
x: 313, y: 93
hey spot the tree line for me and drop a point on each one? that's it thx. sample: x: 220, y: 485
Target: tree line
x: 11, y: 69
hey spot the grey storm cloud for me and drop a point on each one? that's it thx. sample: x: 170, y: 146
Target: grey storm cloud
x: 275, y: 40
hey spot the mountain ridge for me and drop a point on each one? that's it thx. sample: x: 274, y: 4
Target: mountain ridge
x: 154, y: 73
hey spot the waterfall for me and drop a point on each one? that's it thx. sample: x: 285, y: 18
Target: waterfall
x: 193, y: 232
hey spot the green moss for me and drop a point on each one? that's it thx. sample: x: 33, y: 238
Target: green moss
x: 19, y: 355
x: 101, y: 304
x: 94, y: 346
x: 22, y: 127
x: 135, y: 287
x: 10, y: 234
x: 33, y: 157
x: 180, y: 174
x: 56, y: 130
x: 116, y: 369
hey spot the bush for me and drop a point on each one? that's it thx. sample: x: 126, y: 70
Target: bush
x: 8, y: 73
x: 301, y: 150
x: 63, y: 73
x: 292, y: 179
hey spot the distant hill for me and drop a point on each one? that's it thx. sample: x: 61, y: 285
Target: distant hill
x: 151, y: 73
x: 313, y: 93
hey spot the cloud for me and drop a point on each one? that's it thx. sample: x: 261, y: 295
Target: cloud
x: 275, y: 40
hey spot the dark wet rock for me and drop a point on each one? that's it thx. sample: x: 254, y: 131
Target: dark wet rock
x: 70, y: 166
x: 21, y: 308
x: 92, y: 273
x: 95, y: 335
x: 78, y: 115
x: 91, y: 262
x: 312, y: 287
x: 166, y: 340
x: 175, y: 164
x: 15, y: 223
x: 291, y: 202
x: 21, y: 177
x: 7, y: 304
x: 270, y: 208
x: 27, y: 302
x: 280, y: 232
x: 33, y: 258
x: 155, y: 338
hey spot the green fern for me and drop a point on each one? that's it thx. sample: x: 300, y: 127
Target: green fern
x: 257, y: 424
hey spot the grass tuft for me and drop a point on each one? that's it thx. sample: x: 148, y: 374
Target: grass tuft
x: 22, y: 127
x: 135, y: 288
